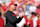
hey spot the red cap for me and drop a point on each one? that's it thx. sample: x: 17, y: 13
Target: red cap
x: 11, y: 4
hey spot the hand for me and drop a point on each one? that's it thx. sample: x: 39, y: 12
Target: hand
x: 21, y: 15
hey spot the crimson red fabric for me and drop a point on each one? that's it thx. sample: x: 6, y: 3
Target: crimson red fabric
x: 1, y: 22
x: 4, y: 8
x: 11, y: 4
x: 38, y: 23
x: 32, y: 16
x: 26, y: 20
x: 38, y: 11
x: 31, y: 23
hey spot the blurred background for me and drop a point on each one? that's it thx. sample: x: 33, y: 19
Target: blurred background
x: 31, y: 8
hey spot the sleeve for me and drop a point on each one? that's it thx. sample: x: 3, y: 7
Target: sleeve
x: 12, y: 19
x: 21, y: 23
x: 19, y: 19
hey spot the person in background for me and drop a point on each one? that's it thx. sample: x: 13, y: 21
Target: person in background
x: 28, y: 4
x: 32, y: 8
x: 4, y: 18
x: 1, y: 21
x: 38, y: 21
x: 4, y: 8
x: 38, y: 10
x: 35, y: 20
x: 37, y: 2
x: 21, y: 9
x: 26, y: 21
x: 24, y: 5
x: 1, y: 10
x: 19, y: 3
x: 0, y: 7
x: 31, y: 21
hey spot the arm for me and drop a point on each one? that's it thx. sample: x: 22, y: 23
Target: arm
x: 19, y: 19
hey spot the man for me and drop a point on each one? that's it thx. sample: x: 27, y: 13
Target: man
x: 11, y: 16
x: 1, y: 21
x: 32, y: 8
x: 4, y: 8
x: 38, y: 21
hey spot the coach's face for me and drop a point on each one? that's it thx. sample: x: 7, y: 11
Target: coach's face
x: 12, y: 7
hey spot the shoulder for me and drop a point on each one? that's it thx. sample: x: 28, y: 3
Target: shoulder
x: 8, y: 12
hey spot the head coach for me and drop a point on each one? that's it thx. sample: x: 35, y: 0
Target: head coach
x: 11, y: 18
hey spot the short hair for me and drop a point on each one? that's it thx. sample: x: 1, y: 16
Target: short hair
x: 33, y: 13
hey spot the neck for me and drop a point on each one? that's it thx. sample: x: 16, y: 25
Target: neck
x: 10, y: 10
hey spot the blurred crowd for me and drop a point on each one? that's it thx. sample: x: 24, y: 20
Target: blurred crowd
x: 31, y: 8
